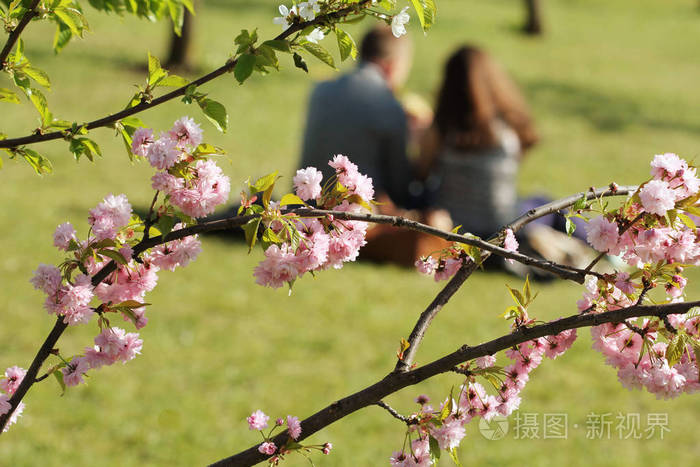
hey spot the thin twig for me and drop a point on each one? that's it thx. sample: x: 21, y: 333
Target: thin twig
x: 425, y: 318
x: 558, y: 205
x: 395, y: 414
x: 227, y: 67
x: 396, y: 381
x: 16, y: 32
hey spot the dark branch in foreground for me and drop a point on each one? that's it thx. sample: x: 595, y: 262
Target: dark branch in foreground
x: 16, y: 32
x: 227, y: 67
x: 393, y: 382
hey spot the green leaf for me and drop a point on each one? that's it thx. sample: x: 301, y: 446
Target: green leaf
x: 270, y: 236
x: 570, y: 226
x: 177, y: 15
x: 290, y: 198
x: 215, y: 113
x: 165, y: 224
x: 133, y: 122
x: 39, y: 163
x: 113, y: 254
x: 281, y: 45
x: 244, y: 67
x: 251, y: 232
x: 86, y: 147
x: 7, y: 95
x: 263, y: 183
x: 37, y: 75
x: 245, y: 40
x: 429, y: 13
x: 174, y: 81
x: 40, y: 104
x: 58, y: 374
x: 155, y: 72
x: 675, y: 348
x: 447, y: 408
x: 517, y: 296
x: 320, y: 53
x: 73, y: 19
x: 206, y: 149
x: 299, y: 62
x: 61, y: 37
x: 434, y: 449
x: 580, y: 203
x: 687, y: 221
x: 420, y: 12
x: 455, y: 457
x: 346, y: 45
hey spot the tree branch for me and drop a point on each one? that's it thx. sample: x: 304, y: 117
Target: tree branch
x: 558, y: 205
x: 421, y: 326
x: 16, y: 32
x: 227, y: 67
x: 394, y: 381
x: 395, y: 414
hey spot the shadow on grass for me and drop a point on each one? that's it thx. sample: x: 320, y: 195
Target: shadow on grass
x: 606, y: 112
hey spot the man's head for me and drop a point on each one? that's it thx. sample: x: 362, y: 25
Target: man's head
x: 393, y: 56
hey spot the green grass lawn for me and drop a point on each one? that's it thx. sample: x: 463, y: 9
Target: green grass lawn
x: 611, y: 84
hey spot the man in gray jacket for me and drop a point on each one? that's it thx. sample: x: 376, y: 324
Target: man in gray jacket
x: 357, y: 115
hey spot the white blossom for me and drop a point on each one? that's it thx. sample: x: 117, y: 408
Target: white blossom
x: 398, y: 23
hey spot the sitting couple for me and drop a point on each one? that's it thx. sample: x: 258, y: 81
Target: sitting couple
x: 469, y: 150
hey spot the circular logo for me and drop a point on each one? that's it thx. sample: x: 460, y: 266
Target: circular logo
x: 494, y: 430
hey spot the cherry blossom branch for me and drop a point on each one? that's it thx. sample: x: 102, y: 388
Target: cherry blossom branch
x: 236, y: 221
x: 421, y: 326
x: 17, y: 31
x: 558, y: 205
x: 30, y: 378
x: 396, y: 381
x: 227, y: 67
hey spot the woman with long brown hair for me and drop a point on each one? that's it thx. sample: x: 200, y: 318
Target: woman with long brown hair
x: 481, y: 129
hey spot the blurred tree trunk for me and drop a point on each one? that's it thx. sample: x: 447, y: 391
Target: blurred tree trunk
x: 181, y: 46
x: 533, y: 21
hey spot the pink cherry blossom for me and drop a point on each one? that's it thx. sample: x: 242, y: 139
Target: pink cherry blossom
x: 47, y: 278
x: 485, y: 362
x: 278, y: 268
x: 657, y: 197
x: 426, y: 265
x: 15, y: 415
x: 163, y: 153
x: 74, y: 371
x: 667, y: 166
x: 267, y: 448
x: 141, y: 140
x: 510, y: 243
x: 13, y: 378
x: 63, y: 235
x: 294, y: 426
x: 257, y: 420
x: 204, y: 193
x: 109, y: 216
x: 447, y: 268
x: 5, y: 405
x: 450, y: 434
x: 176, y: 253
x: 327, y: 448
x: 118, y: 345
x: 307, y: 183
x: 163, y: 181
x: 603, y: 235
x: 186, y: 132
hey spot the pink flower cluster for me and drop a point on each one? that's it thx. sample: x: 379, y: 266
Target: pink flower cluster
x: 9, y: 384
x: 322, y: 243
x: 451, y: 259
x: 654, y: 239
x: 193, y: 184
x: 258, y: 421
x: 70, y: 300
x: 111, y: 345
x: 625, y: 345
x: 441, y: 269
x: 474, y: 401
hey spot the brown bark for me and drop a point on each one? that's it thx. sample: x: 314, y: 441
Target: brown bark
x: 533, y: 20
